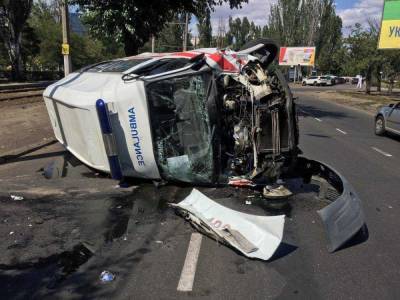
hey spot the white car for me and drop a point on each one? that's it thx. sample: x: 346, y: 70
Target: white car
x: 331, y: 79
x: 315, y: 81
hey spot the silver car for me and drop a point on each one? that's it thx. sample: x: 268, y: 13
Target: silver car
x: 388, y: 119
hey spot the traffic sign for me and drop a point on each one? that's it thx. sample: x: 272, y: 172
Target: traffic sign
x: 65, y: 49
x: 389, y: 37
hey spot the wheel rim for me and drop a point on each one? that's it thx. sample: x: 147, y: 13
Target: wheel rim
x: 379, y: 125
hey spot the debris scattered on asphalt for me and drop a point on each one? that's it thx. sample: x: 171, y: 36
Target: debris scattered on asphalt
x: 107, y: 276
x: 16, y: 198
x: 254, y: 236
x: 248, y: 202
x: 159, y: 242
x: 38, y: 220
x: 241, y: 182
x: 11, y: 232
x: 278, y: 191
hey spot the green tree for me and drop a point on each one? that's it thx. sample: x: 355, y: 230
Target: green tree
x: 13, y: 17
x: 363, y: 55
x: 239, y: 32
x: 328, y: 39
x: 132, y: 22
x: 170, y: 39
x: 85, y: 50
x: 204, y: 28
x: 48, y: 30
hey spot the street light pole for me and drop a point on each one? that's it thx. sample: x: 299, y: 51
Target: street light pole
x: 65, y: 34
x: 185, y: 37
x: 153, y: 41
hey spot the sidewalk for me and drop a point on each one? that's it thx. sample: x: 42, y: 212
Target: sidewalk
x: 24, y: 124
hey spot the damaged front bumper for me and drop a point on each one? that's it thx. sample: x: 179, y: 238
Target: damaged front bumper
x: 260, y: 236
x: 344, y: 216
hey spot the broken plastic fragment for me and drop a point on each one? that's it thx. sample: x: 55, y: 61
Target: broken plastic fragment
x: 241, y: 182
x: 107, y: 276
x: 254, y: 236
x: 16, y: 198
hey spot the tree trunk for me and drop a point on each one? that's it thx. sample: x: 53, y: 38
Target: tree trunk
x: 379, y: 79
x: 17, y: 72
x: 391, y: 84
x: 131, y: 45
x: 368, y: 78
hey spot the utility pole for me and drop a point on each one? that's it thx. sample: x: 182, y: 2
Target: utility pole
x: 185, y: 37
x: 221, y: 33
x: 153, y: 40
x: 65, y: 32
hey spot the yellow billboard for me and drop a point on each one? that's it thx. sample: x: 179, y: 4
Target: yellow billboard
x: 389, y: 37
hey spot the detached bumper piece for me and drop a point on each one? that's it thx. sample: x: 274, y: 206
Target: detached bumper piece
x: 344, y: 217
x: 254, y: 236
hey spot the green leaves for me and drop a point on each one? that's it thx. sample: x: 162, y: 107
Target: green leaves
x: 134, y: 21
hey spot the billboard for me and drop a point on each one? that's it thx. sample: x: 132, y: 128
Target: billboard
x: 389, y: 37
x: 294, y: 56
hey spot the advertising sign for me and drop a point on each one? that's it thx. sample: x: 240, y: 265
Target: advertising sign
x: 294, y: 56
x: 389, y: 37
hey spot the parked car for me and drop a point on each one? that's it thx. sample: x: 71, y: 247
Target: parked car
x: 340, y: 80
x: 388, y: 119
x: 330, y: 79
x: 315, y: 81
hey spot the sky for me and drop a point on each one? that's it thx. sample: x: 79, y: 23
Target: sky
x: 351, y: 12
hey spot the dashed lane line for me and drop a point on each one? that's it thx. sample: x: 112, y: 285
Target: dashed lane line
x: 382, y: 152
x: 307, y: 113
x: 189, y: 268
x: 341, y: 131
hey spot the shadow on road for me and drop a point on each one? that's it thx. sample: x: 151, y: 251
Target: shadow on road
x: 14, y: 157
x: 283, y: 250
x: 318, y: 135
x: 360, y: 237
x: 311, y: 111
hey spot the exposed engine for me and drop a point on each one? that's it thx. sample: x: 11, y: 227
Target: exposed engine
x: 256, y: 125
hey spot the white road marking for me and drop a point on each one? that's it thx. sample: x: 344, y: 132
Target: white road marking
x: 341, y: 131
x: 307, y: 113
x: 189, y: 268
x: 303, y: 111
x: 382, y: 152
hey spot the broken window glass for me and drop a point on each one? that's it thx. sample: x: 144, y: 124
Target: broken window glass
x: 117, y: 66
x: 162, y: 66
x: 181, y: 128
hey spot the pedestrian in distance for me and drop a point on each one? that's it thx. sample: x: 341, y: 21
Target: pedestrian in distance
x: 359, y: 82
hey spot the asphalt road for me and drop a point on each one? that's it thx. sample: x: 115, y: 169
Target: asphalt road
x: 144, y: 243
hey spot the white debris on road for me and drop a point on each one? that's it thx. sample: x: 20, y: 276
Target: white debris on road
x: 16, y: 198
x: 254, y: 236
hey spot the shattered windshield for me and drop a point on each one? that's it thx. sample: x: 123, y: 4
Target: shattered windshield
x: 181, y: 128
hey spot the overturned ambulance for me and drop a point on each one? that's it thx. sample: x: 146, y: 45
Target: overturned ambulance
x: 206, y: 116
